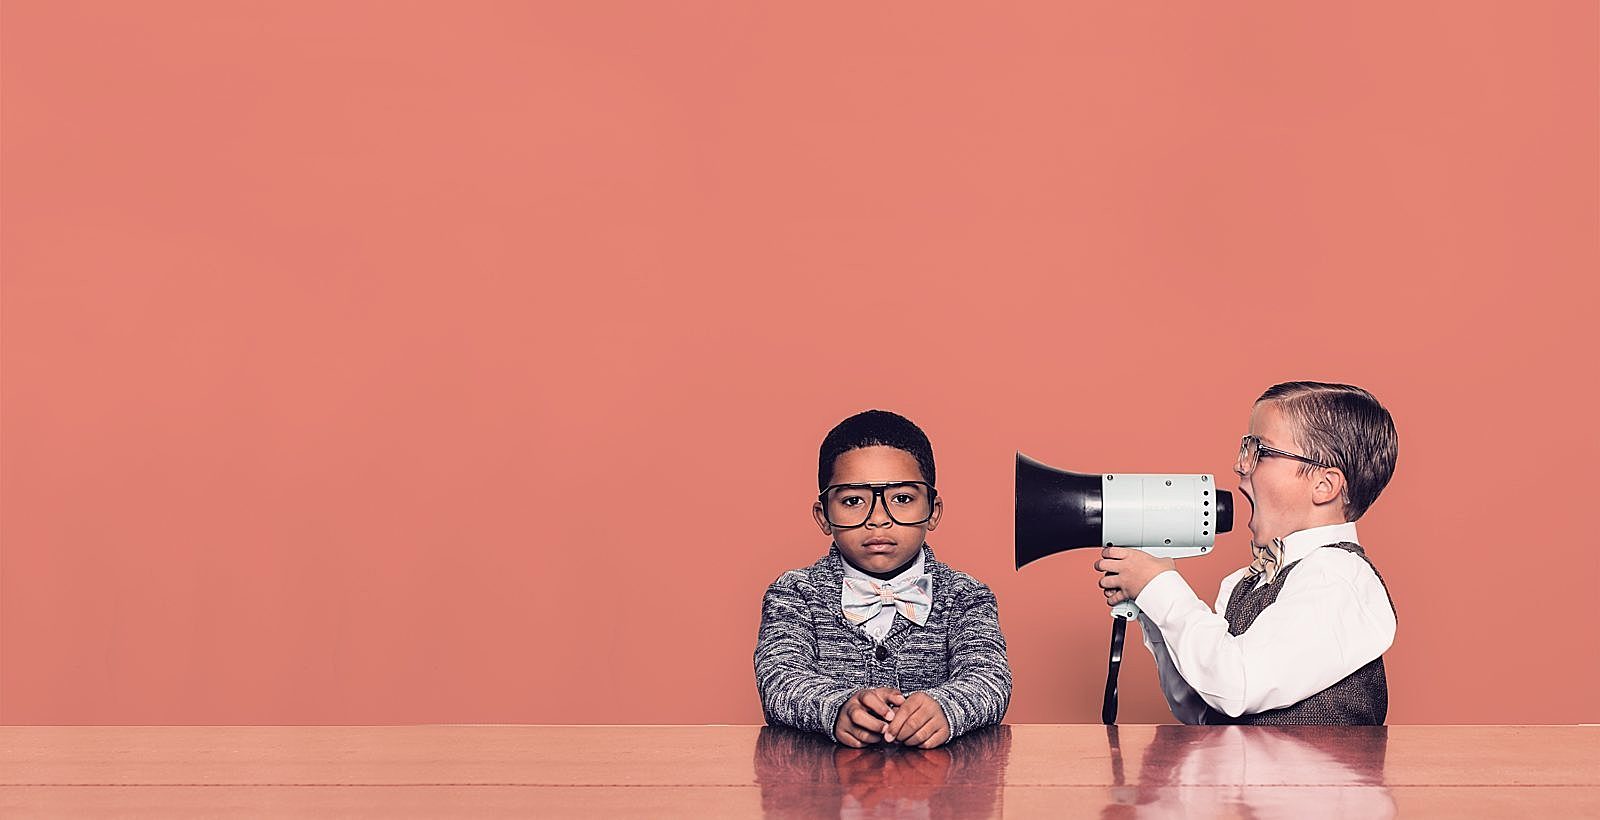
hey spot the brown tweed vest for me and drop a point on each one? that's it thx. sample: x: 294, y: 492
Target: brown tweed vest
x: 1361, y: 698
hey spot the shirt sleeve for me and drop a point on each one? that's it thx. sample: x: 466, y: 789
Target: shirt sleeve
x: 793, y: 691
x: 979, y: 689
x: 1330, y: 619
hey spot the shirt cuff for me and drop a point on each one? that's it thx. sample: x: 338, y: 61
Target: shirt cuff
x: 1166, y: 595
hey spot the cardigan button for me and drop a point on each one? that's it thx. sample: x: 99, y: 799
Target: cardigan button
x: 883, y: 652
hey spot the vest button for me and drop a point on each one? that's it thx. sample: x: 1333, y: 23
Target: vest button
x: 882, y: 653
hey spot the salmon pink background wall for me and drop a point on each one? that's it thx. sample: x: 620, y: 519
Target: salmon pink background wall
x: 393, y: 362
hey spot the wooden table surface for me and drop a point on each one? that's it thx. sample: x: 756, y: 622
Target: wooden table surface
x: 749, y: 771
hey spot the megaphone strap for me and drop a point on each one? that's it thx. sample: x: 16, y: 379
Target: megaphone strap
x: 1108, y: 709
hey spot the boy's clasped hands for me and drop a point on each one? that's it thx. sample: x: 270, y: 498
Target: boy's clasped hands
x: 884, y: 715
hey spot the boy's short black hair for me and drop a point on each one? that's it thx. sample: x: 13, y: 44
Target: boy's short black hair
x: 1343, y: 426
x: 874, y: 428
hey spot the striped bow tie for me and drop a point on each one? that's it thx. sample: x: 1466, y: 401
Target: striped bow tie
x: 911, y: 596
x: 1268, y: 559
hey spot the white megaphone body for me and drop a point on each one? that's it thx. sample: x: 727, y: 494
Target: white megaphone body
x: 1168, y: 516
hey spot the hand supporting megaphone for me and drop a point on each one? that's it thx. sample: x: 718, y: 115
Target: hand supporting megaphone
x: 1126, y: 572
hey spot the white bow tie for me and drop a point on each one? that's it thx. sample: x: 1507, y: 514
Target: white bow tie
x: 911, y: 596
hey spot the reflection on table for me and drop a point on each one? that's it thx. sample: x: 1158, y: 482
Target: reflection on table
x: 1264, y: 772
x: 1303, y: 771
x: 746, y: 771
x: 803, y: 774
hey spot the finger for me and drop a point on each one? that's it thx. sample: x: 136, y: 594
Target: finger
x: 905, y: 708
x: 1113, y: 553
x: 897, y: 727
x: 874, y: 700
x: 1111, y: 582
x: 903, y: 723
x: 916, y: 721
x: 895, y: 697
x: 924, y: 734
x: 847, y: 737
x: 870, y: 724
x: 938, y: 739
x: 867, y: 723
x: 859, y: 716
x: 865, y: 736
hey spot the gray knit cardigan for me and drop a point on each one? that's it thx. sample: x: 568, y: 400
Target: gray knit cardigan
x: 809, y: 660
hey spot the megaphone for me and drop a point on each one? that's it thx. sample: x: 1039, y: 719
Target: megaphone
x: 1169, y: 516
x: 1166, y: 515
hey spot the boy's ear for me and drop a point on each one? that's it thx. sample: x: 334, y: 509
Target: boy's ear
x: 822, y: 520
x: 1329, y: 486
x: 938, y: 510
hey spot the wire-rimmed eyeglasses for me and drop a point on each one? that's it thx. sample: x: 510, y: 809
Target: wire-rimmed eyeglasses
x: 1251, y: 451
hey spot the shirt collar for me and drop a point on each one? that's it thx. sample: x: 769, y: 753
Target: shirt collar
x: 913, y: 568
x: 1297, y: 545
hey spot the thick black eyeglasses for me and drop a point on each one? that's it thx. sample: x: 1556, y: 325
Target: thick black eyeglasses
x: 1251, y: 451
x: 908, y: 503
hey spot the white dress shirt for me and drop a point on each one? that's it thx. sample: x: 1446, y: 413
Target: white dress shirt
x: 1331, y: 618
x: 878, y: 625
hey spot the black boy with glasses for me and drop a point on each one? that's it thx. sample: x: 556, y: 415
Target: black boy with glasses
x: 1297, y: 636
x: 879, y: 641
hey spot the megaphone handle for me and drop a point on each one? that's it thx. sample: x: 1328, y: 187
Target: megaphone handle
x: 1108, y: 708
x: 1127, y: 611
